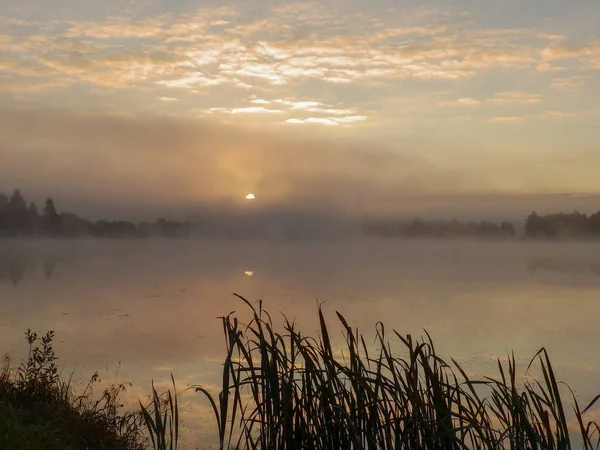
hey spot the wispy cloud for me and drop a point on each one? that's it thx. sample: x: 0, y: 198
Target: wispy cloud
x: 295, y: 111
x: 567, y: 83
x: 330, y: 121
x: 218, y: 46
x: 501, y: 98
x: 464, y: 101
x: 507, y: 119
x: 522, y: 98
x: 296, y: 63
x: 255, y: 110
x: 586, y: 54
x: 546, y: 115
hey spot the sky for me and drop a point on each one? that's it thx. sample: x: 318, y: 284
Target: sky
x: 362, y: 106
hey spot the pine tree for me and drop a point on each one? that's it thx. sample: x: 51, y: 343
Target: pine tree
x: 50, y: 218
x: 17, y: 214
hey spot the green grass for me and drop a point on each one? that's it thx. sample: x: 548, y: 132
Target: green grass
x: 39, y: 410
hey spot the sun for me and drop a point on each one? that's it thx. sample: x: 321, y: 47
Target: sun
x: 250, y: 197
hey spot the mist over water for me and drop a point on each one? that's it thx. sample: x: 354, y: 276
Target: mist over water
x: 137, y: 311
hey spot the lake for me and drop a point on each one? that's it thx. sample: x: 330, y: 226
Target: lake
x: 139, y: 310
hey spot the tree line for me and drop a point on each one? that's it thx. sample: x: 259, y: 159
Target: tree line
x: 21, y: 219
x: 419, y: 228
x: 570, y: 226
x: 555, y: 226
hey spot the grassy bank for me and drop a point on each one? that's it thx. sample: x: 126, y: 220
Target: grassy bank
x: 284, y: 390
x: 41, y: 411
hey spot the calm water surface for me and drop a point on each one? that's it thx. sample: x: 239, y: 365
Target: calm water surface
x: 137, y: 311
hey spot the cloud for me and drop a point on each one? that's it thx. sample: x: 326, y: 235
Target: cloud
x: 548, y: 67
x: 124, y: 69
x: 501, y: 98
x: 255, y: 110
x: 318, y: 120
x: 234, y: 61
x: 312, y: 106
x: 238, y: 47
x: 329, y: 121
x: 295, y: 111
x: 562, y: 51
x: 19, y: 85
x: 522, y: 98
x: 580, y: 113
x: 546, y: 115
x: 507, y: 119
x: 588, y: 54
x: 567, y: 83
x: 465, y: 101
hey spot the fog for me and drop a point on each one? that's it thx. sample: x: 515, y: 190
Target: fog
x: 522, y: 295
x: 117, y: 167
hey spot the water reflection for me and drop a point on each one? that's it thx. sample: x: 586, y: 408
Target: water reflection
x: 152, y: 306
x: 14, y: 267
x: 561, y: 266
x: 20, y: 260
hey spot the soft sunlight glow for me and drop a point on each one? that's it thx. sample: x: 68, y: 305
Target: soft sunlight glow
x: 250, y: 197
x: 249, y: 273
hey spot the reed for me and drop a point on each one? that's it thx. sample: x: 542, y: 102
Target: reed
x: 161, y: 418
x: 285, y: 390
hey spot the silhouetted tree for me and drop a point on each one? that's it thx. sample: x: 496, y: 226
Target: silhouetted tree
x: 17, y: 214
x: 532, y: 226
x: 17, y: 201
x: 121, y: 229
x: 33, y: 220
x: 16, y: 219
x: 170, y: 229
x: 508, y: 228
x: 51, y: 223
x: 439, y: 229
x: 594, y: 224
x: 100, y: 228
x: 4, y: 225
x: 74, y: 226
x: 561, y: 226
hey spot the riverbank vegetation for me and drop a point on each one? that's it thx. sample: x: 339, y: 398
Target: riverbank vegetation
x: 41, y: 411
x: 286, y: 390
